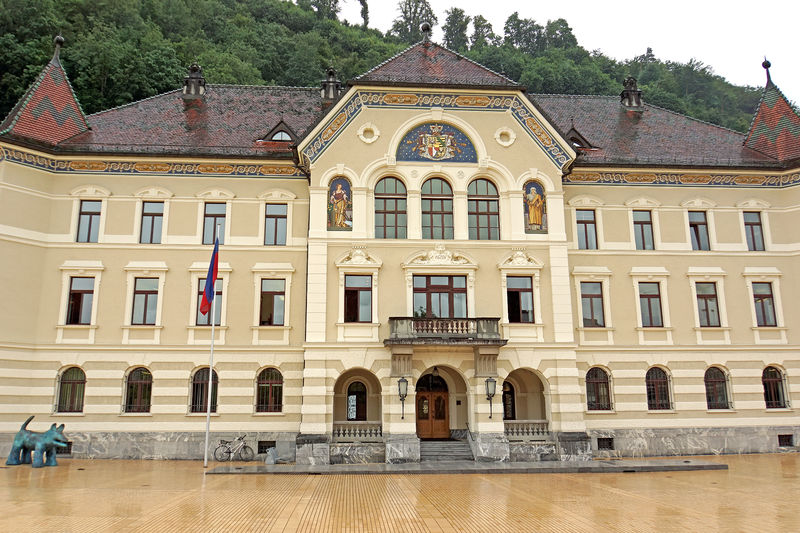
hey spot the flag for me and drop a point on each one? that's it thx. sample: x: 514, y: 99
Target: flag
x: 211, y: 280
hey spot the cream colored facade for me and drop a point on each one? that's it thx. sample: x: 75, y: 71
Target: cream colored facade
x: 320, y: 354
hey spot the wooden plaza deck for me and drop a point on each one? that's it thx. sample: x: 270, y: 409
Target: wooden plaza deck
x: 756, y: 493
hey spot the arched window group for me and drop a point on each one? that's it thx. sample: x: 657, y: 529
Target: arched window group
x: 657, y: 384
x: 437, y: 222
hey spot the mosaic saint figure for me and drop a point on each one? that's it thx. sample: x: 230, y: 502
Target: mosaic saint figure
x: 535, y: 211
x: 340, y: 206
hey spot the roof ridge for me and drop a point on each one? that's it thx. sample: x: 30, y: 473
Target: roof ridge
x: 208, y: 87
x: 477, y: 64
x: 379, y: 65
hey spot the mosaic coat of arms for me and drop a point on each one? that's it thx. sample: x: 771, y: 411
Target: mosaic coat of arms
x: 436, y: 142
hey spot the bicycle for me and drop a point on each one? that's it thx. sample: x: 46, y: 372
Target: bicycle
x: 227, y: 449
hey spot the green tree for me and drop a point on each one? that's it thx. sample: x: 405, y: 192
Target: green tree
x: 482, y: 33
x: 412, y: 14
x: 524, y: 34
x: 558, y: 34
x: 455, y: 29
x: 364, y: 12
x: 326, y: 9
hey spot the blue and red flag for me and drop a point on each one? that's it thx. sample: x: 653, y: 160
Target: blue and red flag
x: 211, y: 280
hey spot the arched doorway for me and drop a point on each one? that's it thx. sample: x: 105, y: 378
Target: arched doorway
x: 433, y: 417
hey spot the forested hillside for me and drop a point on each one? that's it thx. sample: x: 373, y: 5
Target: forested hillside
x: 118, y: 51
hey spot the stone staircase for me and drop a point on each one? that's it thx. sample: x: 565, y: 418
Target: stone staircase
x: 445, y: 450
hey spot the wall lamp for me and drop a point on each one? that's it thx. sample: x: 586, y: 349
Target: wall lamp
x: 402, y: 390
x: 491, y: 388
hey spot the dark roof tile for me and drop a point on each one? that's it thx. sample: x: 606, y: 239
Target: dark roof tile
x: 428, y: 64
x: 654, y: 136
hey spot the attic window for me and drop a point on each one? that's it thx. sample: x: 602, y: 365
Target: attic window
x: 577, y: 140
x: 281, y: 136
x: 577, y: 143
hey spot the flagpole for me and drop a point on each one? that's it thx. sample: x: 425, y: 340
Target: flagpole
x: 211, y: 360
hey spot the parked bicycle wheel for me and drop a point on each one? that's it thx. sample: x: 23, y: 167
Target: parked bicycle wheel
x: 247, y: 453
x: 222, y: 453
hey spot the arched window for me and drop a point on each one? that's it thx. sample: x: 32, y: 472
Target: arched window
x: 138, y: 390
x: 269, y: 393
x: 716, y: 389
x: 509, y: 407
x: 281, y: 136
x: 483, y: 211
x: 657, y: 385
x: 437, y: 209
x: 200, y: 391
x: 597, y: 390
x: 774, y: 396
x: 70, y: 391
x: 357, y: 401
x: 390, y: 209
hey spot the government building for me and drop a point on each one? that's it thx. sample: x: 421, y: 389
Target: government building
x: 425, y: 262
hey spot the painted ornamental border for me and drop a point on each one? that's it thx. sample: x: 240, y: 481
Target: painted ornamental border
x: 699, y: 179
x: 425, y: 100
x: 82, y: 166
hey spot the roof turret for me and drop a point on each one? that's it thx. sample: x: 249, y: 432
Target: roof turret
x: 775, y: 130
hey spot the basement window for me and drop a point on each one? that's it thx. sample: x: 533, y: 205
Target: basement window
x: 264, y: 445
x: 67, y: 450
x: 786, y: 440
x: 605, y: 443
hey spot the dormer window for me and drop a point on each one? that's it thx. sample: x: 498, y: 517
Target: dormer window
x: 578, y: 141
x: 281, y: 136
x: 280, y: 133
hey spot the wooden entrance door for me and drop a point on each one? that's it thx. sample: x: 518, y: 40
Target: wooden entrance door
x: 433, y: 421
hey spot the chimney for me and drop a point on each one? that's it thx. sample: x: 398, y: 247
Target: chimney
x: 194, y: 85
x: 331, y: 86
x: 631, y: 96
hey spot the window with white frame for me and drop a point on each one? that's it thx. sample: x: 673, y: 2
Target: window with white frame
x: 650, y: 290
x: 272, y: 283
x: 522, y: 314
x: 273, y: 301
x: 357, y: 317
x: 199, y: 324
x: 277, y: 211
x: 592, y: 285
x: 708, y: 295
x: 763, y: 285
x: 143, y: 301
x: 152, y: 214
x: 80, y: 282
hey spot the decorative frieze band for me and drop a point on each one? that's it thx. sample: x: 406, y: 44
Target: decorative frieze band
x: 79, y: 166
x: 688, y: 178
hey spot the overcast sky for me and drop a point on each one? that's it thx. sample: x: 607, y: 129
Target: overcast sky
x: 732, y: 37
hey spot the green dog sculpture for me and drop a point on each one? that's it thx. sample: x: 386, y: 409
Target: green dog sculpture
x: 41, y: 445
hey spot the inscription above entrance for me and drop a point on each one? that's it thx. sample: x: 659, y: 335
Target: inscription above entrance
x: 436, y: 141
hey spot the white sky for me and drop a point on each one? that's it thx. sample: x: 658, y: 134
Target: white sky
x: 732, y: 37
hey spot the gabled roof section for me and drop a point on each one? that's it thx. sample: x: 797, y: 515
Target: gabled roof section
x: 48, y: 112
x: 654, y: 136
x: 775, y: 130
x: 427, y: 64
x: 227, y: 121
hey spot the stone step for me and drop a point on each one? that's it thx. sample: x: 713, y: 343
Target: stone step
x: 454, y: 450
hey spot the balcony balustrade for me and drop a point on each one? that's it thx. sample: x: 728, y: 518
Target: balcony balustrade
x: 413, y: 330
x: 357, y: 432
x: 516, y: 430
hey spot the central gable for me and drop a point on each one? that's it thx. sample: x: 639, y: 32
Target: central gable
x: 436, y: 141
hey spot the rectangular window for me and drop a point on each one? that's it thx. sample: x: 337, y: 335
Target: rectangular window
x: 698, y: 227
x: 707, y: 307
x: 592, y: 304
x: 214, y: 216
x: 643, y: 230
x: 152, y: 217
x: 587, y: 231
x: 753, y: 231
x: 390, y: 217
x: 145, y: 301
x: 440, y: 296
x: 79, y: 307
x: 358, y: 298
x: 216, y: 305
x: 272, y: 302
x: 275, y: 225
x: 765, y: 304
x: 89, y: 220
x: 519, y: 295
x: 650, y: 304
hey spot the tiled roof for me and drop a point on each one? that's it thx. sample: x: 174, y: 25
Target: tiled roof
x: 228, y: 121
x: 775, y: 129
x: 428, y: 64
x: 654, y: 136
x: 48, y: 112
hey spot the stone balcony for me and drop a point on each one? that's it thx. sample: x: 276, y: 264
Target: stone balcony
x: 468, y: 331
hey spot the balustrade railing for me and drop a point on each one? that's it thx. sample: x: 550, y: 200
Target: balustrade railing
x: 526, y: 429
x: 357, y: 432
x: 448, y: 329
